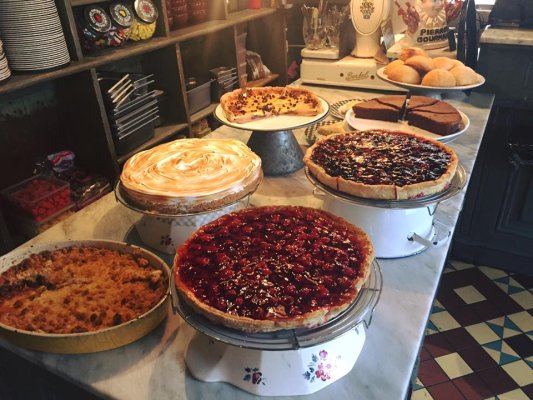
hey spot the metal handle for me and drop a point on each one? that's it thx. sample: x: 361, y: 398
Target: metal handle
x: 436, y: 240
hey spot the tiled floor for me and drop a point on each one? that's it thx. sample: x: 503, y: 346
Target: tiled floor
x: 479, y: 340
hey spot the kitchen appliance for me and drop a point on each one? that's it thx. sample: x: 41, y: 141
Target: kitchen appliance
x: 326, y: 66
x: 397, y: 228
x: 283, y: 363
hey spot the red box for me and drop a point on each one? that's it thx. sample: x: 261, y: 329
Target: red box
x: 39, y: 197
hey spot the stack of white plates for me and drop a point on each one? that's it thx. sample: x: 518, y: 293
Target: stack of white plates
x: 5, y: 72
x: 32, y: 35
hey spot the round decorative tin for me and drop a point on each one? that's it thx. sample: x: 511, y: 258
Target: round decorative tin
x: 97, y: 19
x: 146, y: 11
x: 121, y: 14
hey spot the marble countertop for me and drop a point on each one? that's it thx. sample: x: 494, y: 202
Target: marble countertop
x: 510, y: 36
x: 154, y: 367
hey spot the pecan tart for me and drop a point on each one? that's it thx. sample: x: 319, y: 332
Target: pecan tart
x: 271, y: 268
x: 381, y: 164
x: 245, y: 105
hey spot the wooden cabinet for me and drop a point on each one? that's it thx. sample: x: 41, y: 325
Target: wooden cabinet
x: 45, y: 112
x: 496, y: 223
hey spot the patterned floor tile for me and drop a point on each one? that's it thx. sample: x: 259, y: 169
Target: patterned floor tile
x: 472, y: 387
x: 421, y: 394
x: 492, y: 273
x: 479, y: 342
x: 524, y: 298
x: 523, y: 320
x: 501, y: 352
x: 522, y: 345
x: 477, y: 358
x: 437, y: 345
x: 520, y: 372
x: 469, y: 294
x: 445, y: 391
x: 430, y: 373
x: 459, y: 338
x: 482, y: 333
x: 459, y: 265
x: 497, y: 380
x: 453, y: 365
x: 516, y: 394
x: 504, y: 327
x: 444, y: 321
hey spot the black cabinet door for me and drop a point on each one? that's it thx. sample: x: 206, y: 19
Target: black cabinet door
x: 496, y: 224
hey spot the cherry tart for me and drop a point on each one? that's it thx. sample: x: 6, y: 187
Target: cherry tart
x: 270, y: 268
x: 382, y: 164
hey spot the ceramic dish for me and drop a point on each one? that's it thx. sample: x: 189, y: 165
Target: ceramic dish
x: 87, y: 342
x: 429, y: 89
x: 336, y: 109
x: 362, y: 124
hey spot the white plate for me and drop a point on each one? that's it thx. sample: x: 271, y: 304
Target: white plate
x: 421, y: 88
x: 335, y: 109
x: 279, y: 123
x: 365, y: 124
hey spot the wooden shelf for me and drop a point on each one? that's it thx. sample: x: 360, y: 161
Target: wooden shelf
x: 161, y: 134
x: 204, y: 112
x: 263, y: 81
x: 76, y: 3
x: 131, y: 49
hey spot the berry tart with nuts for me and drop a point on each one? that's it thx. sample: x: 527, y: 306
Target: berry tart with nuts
x: 382, y: 164
x: 271, y: 268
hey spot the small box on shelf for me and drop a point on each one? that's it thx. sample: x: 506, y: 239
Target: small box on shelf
x: 39, y: 197
x: 199, y: 97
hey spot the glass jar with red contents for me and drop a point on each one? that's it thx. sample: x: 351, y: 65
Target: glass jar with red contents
x: 122, y: 19
x: 197, y: 11
x: 178, y: 10
x: 93, y: 27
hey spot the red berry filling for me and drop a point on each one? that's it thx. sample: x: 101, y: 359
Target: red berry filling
x: 271, y: 264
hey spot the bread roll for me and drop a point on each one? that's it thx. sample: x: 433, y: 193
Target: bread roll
x: 443, y: 63
x: 410, y: 52
x: 458, y: 63
x: 391, y: 65
x: 439, y: 78
x: 422, y: 64
x: 464, y: 76
x: 405, y: 74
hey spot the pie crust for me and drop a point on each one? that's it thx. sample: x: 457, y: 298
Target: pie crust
x: 248, y: 104
x: 381, y: 164
x: 271, y: 268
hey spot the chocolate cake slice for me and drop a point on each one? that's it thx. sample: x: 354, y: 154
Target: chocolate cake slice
x: 396, y: 101
x: 441, y: 124
x: 373, y: 109
x: 438, y: 107
x: 420, y: 101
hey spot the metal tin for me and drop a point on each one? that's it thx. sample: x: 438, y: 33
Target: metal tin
x: 121, y: 14
x: 96, y: 19
x: 146, y: 11
x: 87, y: 342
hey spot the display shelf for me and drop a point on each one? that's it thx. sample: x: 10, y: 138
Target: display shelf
x: 162, y: 133
x: 263, y: 81
x: 205, y: 112
x: 76, y: 3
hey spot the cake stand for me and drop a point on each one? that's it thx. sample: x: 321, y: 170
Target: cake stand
x: 273, y: 141
x: 166, y: 232
x: 397, y: 228
x: 282, y: 363
x: 429, y: 91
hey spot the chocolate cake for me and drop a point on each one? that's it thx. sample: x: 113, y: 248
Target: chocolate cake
x: 373, y: 109
x: 423, y: 112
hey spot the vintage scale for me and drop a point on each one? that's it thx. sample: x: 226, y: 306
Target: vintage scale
x: 283, y: 363
x: 323, y: 66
